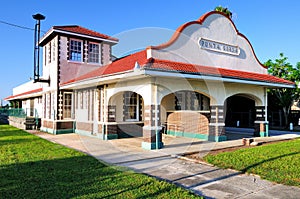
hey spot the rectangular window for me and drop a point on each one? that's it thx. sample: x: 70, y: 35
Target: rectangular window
x: 67, y: 106
x: 131, y: 106
x: 188, y: 100
x: 75, y: 50
x: 94, y: 53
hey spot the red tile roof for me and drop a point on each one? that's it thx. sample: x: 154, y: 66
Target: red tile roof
x: 166, y: 65
x: 83, y: 31
x: 120, y: 65
x: 127, y: 64
x: 25, y: 93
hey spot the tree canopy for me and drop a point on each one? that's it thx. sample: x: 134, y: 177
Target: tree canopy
x: 284, y: 96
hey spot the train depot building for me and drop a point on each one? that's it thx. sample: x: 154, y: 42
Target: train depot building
x: 190, y: 86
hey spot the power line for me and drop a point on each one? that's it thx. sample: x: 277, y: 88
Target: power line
x: 17, y: 26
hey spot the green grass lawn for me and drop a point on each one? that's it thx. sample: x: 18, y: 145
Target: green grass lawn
x: 31, y: 167
x: 278, y: 162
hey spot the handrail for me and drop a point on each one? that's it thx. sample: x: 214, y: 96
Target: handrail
x: 20, y: 112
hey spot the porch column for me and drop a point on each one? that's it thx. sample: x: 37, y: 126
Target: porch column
x: 260, y: 123
x: 152, y: 135
x: 217, y: 124
x: 111, y: 129
x: 107, y: 116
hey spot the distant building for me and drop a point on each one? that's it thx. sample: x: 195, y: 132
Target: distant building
x: 205, y: 78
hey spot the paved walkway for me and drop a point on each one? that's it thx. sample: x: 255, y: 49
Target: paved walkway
x: 203, y: 179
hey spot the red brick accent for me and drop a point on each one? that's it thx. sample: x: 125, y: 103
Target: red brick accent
x: 84, y: 126
x: 100, y: 128
x: 112, y: 129
x: 149, y: 129
x: 217, y: 118
x: 216, y: 130
x: 188, y: 121
x: 150, y: 135
x: 150, y: 114
x: 47, y: 124
x: 64, y: 125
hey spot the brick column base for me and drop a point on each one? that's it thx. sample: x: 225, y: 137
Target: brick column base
x: 217, y: 133
x: 111, y: 131
x: 152, y: 138
x: 261, y: 129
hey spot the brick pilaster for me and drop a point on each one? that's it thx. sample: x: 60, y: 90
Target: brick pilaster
x: 217, y: 124
x: 111, y: 130
x: 152, y: 128
x: 260, y: 123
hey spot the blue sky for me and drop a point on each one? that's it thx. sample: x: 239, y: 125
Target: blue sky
x: 271, y: 26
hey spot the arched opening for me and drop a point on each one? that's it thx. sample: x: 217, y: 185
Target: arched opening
x: 185, y: 113
x: 240, y: 111
x: 126, y: 114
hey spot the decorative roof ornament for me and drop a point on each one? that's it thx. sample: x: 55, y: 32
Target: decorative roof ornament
x: 137, y: 66
x: 224, y: 10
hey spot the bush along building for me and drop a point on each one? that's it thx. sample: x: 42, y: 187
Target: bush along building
x: 192, y: 86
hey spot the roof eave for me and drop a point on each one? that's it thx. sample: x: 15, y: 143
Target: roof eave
x: 207, y: 77
x: 24, y: 96
x: 53, y: 31
x: 103, y: 79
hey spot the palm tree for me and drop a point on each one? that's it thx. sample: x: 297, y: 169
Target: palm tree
x: 224, y: 10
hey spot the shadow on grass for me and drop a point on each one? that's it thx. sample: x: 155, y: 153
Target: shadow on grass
x: 267, y: 160
x: 16, y: 141
x: 80, y: 176
x: 61, y: 178
x: 242, y: 171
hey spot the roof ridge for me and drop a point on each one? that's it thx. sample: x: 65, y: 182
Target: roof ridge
x: 74, y: 25
x: 84, y: 31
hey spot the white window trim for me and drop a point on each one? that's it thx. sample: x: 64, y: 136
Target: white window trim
x: 71, y: 111
x: 99, y: 55
x: 82, y: 50
x: 137, y: 110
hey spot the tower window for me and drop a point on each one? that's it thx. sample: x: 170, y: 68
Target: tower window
x: 75, y: 50
x: 94, y: 53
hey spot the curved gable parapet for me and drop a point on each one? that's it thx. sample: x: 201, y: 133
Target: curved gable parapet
x: 212, y: 40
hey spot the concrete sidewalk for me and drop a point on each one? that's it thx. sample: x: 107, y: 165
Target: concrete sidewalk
x: 205, y: 180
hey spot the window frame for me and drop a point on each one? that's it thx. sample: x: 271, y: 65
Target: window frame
x: 72, y: 58
x: 70, y: 106
x: 128, y: 95
x: 94, y: 57
x: 189, y: 100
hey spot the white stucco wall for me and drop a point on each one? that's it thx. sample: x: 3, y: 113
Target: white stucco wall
x: 28, y: 86
x: 216, y: 28
x: 217, y: 92
x: 50, y: 64
x: 38, y: 106
x: 72, y: 69
x: 117, y: 100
